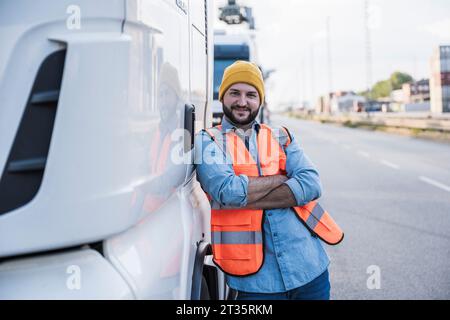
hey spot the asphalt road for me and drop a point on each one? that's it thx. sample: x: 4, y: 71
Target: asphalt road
x: 391, y: 195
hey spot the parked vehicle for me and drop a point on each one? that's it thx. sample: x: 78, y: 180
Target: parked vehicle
x: 94, y: 200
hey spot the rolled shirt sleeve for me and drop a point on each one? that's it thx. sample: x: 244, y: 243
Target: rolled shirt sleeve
x: 304, y: 180
x: 216, y: 175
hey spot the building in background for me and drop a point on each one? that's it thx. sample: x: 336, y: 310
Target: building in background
x: 416, y: 96
x: 323, y: 104
x: 346, y: 101
x: 440, y: 80
x: 394, y: 102
x: 417, y: 91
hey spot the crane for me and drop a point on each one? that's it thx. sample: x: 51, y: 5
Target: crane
x: 234, y: 13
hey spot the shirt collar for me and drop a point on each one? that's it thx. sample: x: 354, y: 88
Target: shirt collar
x: 228, y: 125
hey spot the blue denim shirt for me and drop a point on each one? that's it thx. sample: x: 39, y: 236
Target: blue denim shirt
x: 292, y: 256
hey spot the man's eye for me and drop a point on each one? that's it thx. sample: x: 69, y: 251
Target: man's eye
x: 251, y: 96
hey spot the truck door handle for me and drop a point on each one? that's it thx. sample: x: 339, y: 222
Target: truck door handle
x: 189, y: 126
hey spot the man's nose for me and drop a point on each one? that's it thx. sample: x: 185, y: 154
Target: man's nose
x: 242, y: 101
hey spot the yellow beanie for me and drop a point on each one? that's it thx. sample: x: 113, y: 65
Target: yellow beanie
x: 242, y: 72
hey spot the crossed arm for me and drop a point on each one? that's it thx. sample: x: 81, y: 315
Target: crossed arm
x: 269, y: 193
x: 218, y: 179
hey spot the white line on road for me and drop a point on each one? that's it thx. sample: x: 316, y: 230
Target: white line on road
x: 363, y: 154
x: 390, y: 164
x: 435, y: 183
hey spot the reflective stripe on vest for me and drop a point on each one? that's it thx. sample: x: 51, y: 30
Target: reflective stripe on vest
x: 237, y: 234
x: 236, y: 237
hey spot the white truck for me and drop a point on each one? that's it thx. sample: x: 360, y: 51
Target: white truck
x: 94, y: 200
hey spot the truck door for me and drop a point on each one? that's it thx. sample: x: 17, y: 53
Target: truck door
x: 199, y: 64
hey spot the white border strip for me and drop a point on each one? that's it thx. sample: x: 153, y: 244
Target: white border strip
x: 435, y: 183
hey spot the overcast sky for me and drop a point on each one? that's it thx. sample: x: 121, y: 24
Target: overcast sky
x: 404, y: 34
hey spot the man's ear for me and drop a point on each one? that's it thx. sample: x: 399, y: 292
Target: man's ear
x: 259, y: 98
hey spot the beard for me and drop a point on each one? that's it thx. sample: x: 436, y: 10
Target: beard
x: 228, y: 111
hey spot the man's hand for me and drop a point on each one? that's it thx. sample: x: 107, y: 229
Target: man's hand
x: 259, y: 187
x: 281, y: 197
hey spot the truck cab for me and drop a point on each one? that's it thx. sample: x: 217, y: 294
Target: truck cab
x: 99, y: 105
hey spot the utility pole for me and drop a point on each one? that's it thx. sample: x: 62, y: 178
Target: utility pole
x: 304, y: 80
x: 415, y: 71
x: 327, y: 99
x: 329, y: 57
x: 312, y: 76
x: 299, y: 86
x: 368, y: 48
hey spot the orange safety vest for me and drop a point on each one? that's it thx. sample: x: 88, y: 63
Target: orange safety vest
x: 237, y: 234
x: 159, y: 153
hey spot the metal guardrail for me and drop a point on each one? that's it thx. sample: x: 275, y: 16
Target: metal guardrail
x: 409, y: 115
x: 399, y: 120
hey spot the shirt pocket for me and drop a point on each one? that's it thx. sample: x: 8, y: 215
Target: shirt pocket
x: 231, y: 220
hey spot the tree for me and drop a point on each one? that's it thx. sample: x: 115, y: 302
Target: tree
x: 381, y: 89
x: 397, y: 79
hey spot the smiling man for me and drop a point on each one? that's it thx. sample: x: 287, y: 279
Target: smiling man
x: 241, y: 104
x: 265, y: 224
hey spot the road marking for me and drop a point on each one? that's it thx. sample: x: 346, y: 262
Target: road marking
x: 390, y: 164
x: 435, y: 183
x: 363, y: 154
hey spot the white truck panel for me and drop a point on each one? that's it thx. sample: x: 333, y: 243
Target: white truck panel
x: 82, y: 274
x: 84, y: 196
x: 112, y: 175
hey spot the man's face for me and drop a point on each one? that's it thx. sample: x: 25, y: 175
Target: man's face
x: 241, y: 103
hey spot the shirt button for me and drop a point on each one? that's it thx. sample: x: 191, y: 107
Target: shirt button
x: 275, y: 234
x: 279, y: 255
x: 270, y: 214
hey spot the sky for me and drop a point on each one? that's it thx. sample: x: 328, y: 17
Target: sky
x: 291, y: 38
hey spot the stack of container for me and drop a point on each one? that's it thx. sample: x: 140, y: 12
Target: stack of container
x: 440, y: 80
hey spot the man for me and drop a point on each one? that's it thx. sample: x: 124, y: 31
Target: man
x: 258, y: 237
